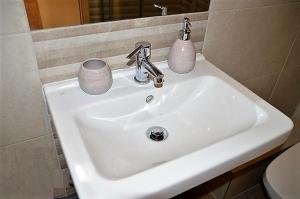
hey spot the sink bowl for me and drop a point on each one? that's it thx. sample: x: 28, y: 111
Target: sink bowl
x: 213, y: 125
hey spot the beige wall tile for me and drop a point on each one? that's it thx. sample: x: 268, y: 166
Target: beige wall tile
x: 262, y: 85
x: 68, y: 71
x: 76, y: 49
x: 251, y: 42
x: 240, y: 4
x: 23, y: 109
x: 256, y: 192
x: 1, y: 85
x: 246, y: 178
x: 29, y: 170
x: 293, y: 61
x: 296, y: 113
x: 286, y: 93
x: 14, y: 17
x: 219, y: 185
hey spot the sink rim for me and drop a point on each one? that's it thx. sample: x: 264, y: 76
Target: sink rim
x: 87, y: 180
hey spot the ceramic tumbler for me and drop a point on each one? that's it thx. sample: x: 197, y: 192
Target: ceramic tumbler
x: 95, y: 76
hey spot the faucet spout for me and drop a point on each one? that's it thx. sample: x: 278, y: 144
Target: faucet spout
x: 155, y: 73
x: 145, y: 69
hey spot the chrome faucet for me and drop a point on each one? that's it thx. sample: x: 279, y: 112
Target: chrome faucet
x: 164, y: 9
x: 145, y: 69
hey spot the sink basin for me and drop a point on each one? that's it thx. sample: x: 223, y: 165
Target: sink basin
x: 214, y: 124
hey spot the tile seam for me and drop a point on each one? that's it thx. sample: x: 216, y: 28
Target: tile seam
x: 261, y: 76
x: 25, y: 140
x: 284, y: 65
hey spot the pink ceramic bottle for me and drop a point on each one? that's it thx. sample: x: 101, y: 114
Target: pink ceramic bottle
x: 182, y: 56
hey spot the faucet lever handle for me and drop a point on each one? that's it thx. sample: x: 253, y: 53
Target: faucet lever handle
x: 135, y: 52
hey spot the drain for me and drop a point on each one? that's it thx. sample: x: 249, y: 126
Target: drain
x: 157, y: 133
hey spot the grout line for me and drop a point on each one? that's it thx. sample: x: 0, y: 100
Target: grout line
x: 284, y: 66
x: 228, y: 187
x: 15, y: 34
x: 213, y: 195
x: 261, y: 76
x: 26, y: 140
x: 247, y: 190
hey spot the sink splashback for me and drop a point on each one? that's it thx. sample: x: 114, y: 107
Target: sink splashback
x: 60, y: 51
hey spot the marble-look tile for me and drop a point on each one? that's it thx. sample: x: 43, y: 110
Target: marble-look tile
x: 219, y: 185
x: 289, y: 111
x: 286, y: 94
x: 29, y: 170
x: 199, y: 192
x: 293, y: 61
x: 76, y: 49
x: 1, y: 85
x: 244, y: 4
x: 86, y: 40
x: 255, y: 192
x: 66, y: 177
x: 14, y: 17
x: 251, y: 42
x: 296, y: 113
x: 72, y: 31
x: 68, y: 71
x: 23, y: 108
x: 262, y: 85
x: 246, y: 178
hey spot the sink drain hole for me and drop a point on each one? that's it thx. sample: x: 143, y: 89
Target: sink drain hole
x: 157, y: 133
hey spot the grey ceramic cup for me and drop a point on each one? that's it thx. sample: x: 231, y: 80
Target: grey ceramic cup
x: 95, y: 76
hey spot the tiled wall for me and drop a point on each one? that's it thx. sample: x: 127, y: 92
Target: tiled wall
x: 238, y: 40
x: 286, y: 93
x: 257, y: 43
x: 60, y: 51
x: 28, y: 165
x: 251, y: 40
x: 297, y: 112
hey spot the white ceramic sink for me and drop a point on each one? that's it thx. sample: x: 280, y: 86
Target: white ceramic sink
x: 214, y: 124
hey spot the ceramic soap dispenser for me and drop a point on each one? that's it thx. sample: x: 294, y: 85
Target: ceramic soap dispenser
x: 182, y: 56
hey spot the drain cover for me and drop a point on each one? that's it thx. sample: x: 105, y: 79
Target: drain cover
x: 157, y: 133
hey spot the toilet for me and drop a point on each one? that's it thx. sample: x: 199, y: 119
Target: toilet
x: 282, y: 176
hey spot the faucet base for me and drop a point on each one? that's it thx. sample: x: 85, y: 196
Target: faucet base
x: 146, y: 81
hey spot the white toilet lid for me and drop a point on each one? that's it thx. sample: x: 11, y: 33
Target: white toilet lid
x: 282, y: 177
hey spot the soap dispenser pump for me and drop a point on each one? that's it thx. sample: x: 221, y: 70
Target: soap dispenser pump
x: 182, y: 56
